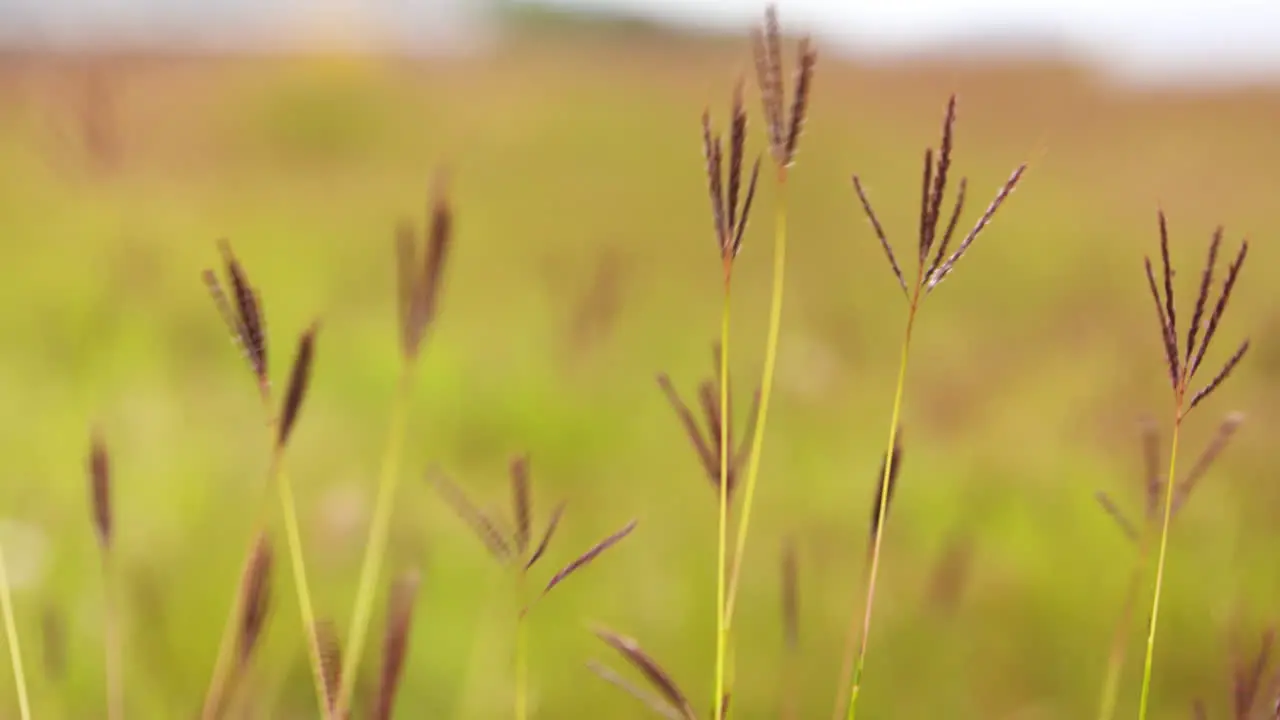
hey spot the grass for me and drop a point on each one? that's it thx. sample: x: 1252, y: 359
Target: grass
x: 1023, y: 388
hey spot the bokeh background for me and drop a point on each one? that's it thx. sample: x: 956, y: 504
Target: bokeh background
x: 134, y: 135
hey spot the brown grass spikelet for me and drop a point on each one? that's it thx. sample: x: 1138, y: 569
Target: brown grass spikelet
x: 895, y: 468
x: 729, y: 219
x: 299, y: 380
x: 587, y: 557
x: 240, y: 306
x: 100, y: 488
x: 330, y: 659
x: 783, y: 127
x: 1183, y: 365
x: 705, y: 437
x: 420, y: 278
x: 395, y: 643
x: 1247, y: 678
x: 658, y: 678
x: 658, y: 704
x: 547, y: 534
x: 255, y: 598
x: 485, y: 527
x: 1221, y: 438
x: 521, y: 504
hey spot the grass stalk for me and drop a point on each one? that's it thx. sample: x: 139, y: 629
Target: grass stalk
x: 722, y: 631
x: 1119, y: 642
x: 1160, y: 562
x: 766, y: 393
x: 113, y: 644
x: 521, y: 651
x: 376, y: 547
x: 873, y: 572
x: 15, y: 649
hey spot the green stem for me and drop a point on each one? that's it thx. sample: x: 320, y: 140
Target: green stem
x: 112, y: 644
x: 298, y: 566
x: 522, y: 652
x: 766, y: 393
x: 376, y: 547
x: 883, y: 508
x: 1119, y: 643
x: 15, y: 650
x: 722, y: 631
x: 1160, y: 561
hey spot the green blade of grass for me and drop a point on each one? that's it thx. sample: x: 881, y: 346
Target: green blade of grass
x: 1160, y: 562
x: 722, y: 631
x: 15, y: 649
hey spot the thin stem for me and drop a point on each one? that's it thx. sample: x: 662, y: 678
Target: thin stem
x: 522, y: 652
x: 766, y: 392
x: 112, y: 644
x: 298, y: 566
x: 1119, y: 643
x: 15, y: 650
x: 722, y: 632
x: 1164, y: 546
x: 376, y: 548
x: 878, y: 540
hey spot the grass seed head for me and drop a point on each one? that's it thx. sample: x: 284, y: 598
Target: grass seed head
x: 657, y: 677
x: 255, y: 598
x: 299, y: 380
x: 100, y: 489
x: 395, y: 644
x: 420, y: 286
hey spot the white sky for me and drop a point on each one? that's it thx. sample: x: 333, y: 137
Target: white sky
x: 1221, y: 38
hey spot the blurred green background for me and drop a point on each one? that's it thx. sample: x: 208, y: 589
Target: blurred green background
x: 584, y: 264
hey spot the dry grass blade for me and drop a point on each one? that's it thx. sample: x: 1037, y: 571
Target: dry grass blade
x: 330, y: 659
x: 552, y: 524
x: 657, y: 704
x: 690, y: 424
x: 800, y: 102
x: 299, y: 379
x: 1233, y: 272
x: 255, y: 598
x: 1247, y: 678
x: 100, y: 488
x: 1003, y: 194
x: 521, y: 503
x: 483, y: 526
x: 426, y: 286
x: 895, y: 467
x: 1113, y: 510
x: 790, y: 595
x: 1222, y: 375
x: 1151, y: 466
x: 1170, y: 306
x: 1202, y: 297
x: 879, y: 229
x: 584, y: 559
x: 1226, y: 429
x: 395, y: 644
x: 658, y: 678
x: 1167, y: 336
x: 250, y: 322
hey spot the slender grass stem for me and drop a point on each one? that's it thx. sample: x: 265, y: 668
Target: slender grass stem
x: 15, y: 649
x: 112, y: 639
x: 722, y: 631
x: 299, y: 570
x: 1119, y: 642
x: 376, y: 547
x: 766, y: 393
x: 521, y: 652
x: 1160, y: 561
x: 883, y: 507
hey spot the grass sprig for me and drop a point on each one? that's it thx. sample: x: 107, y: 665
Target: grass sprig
x: 99, y: 467
x: 1182, y: 365
x: 419, y: 276
x: 930, y: 272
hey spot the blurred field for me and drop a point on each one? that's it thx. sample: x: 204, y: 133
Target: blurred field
x: 584, y: 264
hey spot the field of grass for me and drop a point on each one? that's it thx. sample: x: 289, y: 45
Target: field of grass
x: 585, y: 263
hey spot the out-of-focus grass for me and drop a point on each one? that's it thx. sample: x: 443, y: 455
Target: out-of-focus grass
x: 572, y: 156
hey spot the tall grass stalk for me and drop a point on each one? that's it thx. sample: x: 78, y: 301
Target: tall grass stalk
x: 11, y: 632
x: 722, y: 631
x: 113, y: 645
x: 376, y: 547
x: 1182, y: 364
x: 521, y: 650
x: 1119, y: 642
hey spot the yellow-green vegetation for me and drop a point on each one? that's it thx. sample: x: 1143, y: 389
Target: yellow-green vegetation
x: 582, y: 265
